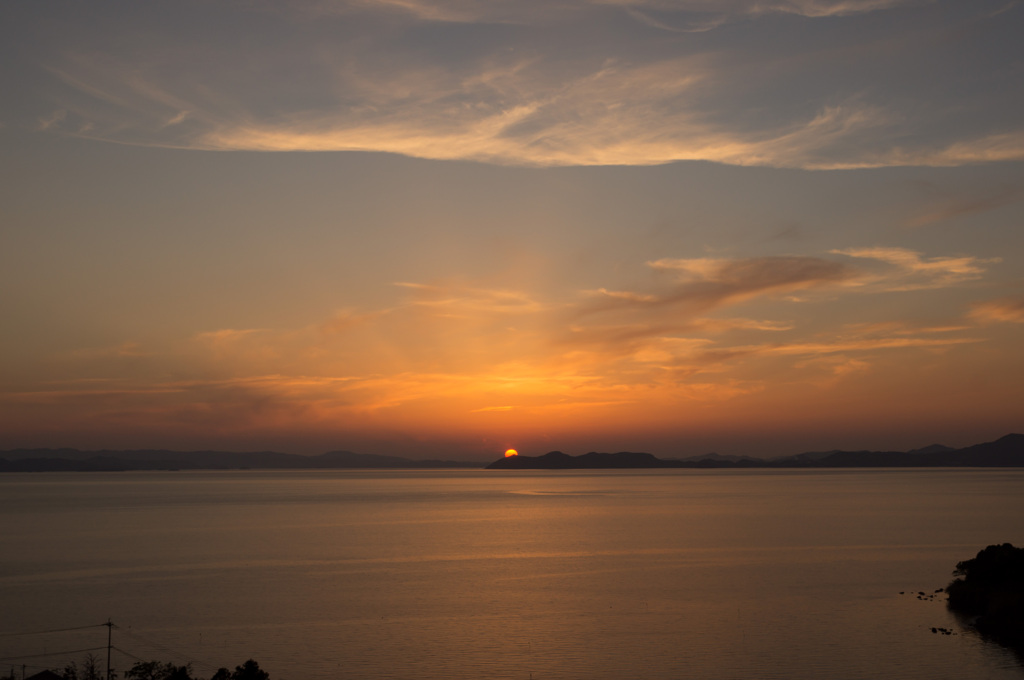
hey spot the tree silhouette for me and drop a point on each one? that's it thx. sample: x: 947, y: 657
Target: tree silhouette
x: 91, y: 668
x: 250, y: 670
x: 154, y: 670
x: 991, y: 588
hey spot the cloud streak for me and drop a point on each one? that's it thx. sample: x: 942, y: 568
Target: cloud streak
x: 1002, y: 310
x: 971, y: 205
x: 460, y: 356
x: 534, y: 11
x: 516, y: 98
x: 909, y: 270
x: 704, y: 284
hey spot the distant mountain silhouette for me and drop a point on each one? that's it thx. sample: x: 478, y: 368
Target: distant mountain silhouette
x: 1007, y: 451
x: 934, y: 448
x: 717, y: 457
x: 73, y: 460
x: 556, y: 460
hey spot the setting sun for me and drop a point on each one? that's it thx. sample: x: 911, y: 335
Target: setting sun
x: 511, y: 452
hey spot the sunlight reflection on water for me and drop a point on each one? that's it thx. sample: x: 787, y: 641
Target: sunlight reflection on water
x: 476, y: 574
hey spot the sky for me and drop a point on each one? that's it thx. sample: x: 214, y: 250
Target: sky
x: 443, y: 228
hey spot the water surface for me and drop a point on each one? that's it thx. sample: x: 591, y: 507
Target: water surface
x: 471, y: 574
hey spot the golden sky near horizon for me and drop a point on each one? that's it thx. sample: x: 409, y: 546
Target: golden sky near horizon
x: 449, y: 228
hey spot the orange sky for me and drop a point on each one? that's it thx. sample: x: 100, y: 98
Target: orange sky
x: 744, y: 227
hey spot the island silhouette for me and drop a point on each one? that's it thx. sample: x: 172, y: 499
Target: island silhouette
x: 1007, y: 451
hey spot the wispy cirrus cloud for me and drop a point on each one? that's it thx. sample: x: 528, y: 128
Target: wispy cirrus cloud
x: 1006, y: 309
x: 129, y: 348
x: 461, y: 300
x: 910, y: 270
x: 673, y: 15
x: 960, y: 206
x: 675, y: 321
x: 52, y: 120
x: 450, y: 351
x: 707, y: 283
x: 533, y: 11
x: 376, y: 78
x: 226, y: 336
x: 461, y: 330
x: 347, y: 319
x: 863, y: 345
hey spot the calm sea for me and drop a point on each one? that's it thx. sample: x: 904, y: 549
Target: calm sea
x: 476, y: 574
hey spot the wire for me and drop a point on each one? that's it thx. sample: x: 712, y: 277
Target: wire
x: 36, y: 656
x: 29, y: 667
x: 141, y: 660
x: 156, y: 645
x: 137, y: 658
x: 57, y: 630
x: 166, y: 649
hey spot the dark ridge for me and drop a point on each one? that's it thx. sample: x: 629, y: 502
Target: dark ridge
x: 556, y: 460
x: 73, y: 460
x: 934, y: 448
x: 1007, y: 451
x: 717, y: 457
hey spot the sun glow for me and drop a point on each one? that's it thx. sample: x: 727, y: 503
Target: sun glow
x: 511, y: 452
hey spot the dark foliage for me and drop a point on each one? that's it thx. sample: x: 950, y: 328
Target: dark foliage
x: 250, y: 670
x: 991, y: 588
x: 90, y: 670
x: 154, y: 670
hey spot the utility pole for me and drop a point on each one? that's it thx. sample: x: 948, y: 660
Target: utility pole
x: 110, y: 627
